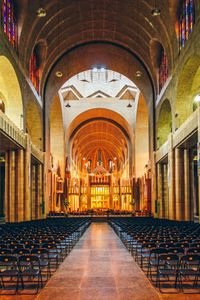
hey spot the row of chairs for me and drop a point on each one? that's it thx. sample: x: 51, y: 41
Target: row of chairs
x: 31, y: 251
x: 167, y: 251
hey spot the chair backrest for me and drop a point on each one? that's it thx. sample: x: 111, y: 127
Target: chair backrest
x: 40, y: 252
x: 16, y: 246
x: 166, y: 259
x: 182, y: 245
x: 193, y: 250
x: 176, y: 250
x: 5, y: 251
x: 3, y: 246
x: 195, y: 245
x: 8, y: 260
x: 49, y: 246
x: 158, y: 251
x: 166, y: 245
x: 32, y: 246
x: 189, y: 260
x: 32, y: 259
x: 19, y: 251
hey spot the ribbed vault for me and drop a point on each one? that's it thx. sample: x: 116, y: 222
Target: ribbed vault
x: 95, y: 135
x: 72, y: 23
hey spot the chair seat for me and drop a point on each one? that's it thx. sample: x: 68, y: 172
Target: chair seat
x: 30, y: 272
x: 189, y: 272
x: 9, y: 273
x: 166, y: 272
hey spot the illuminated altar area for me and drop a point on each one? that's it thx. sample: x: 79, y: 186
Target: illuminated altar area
x: 100, y: 189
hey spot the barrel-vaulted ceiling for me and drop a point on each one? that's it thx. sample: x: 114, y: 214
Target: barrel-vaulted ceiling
x: 95, y: 135
x: 67, y: 24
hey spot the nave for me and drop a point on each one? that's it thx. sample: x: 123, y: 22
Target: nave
x: 100, y: 267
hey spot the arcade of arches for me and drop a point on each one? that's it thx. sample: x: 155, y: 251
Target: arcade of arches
x: 96, y: 115
x: 100, y: 117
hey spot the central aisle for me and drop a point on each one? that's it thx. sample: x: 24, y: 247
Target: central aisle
x: 99, y: 267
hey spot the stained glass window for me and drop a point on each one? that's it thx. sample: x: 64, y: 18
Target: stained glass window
x: 34, y: 72
x: 9, y: 21
x: 163, y: 69
x: 186, y: 21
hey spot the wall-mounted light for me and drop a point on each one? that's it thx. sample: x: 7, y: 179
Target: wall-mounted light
x: 41, y: 12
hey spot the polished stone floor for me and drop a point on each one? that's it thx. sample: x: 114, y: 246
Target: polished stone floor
x: 100, y: 268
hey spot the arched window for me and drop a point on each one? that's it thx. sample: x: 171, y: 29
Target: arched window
x: 9, y: 21
x: 186, y: 21
x: 34, y: 71
x: 163, y: 69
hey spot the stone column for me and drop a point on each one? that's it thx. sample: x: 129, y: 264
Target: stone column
x: 165, y: 192
x: 198, y: 149
x: 171, y: 179
x: 153, y: 182
x: 47, y: 185
x: 89, y: 198
x: 159, y: 190
x: 12, y: 186
x: 120, y: 195
x: 7, y: 186
x: 33, y: 192
x: 20, y: 186
x: 27, y: 180
x: 111, y: 194
x: 179, y: 185
x: 187, y: 185
x: 39, y: 192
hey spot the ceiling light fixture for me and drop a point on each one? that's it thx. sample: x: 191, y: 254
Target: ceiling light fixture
x: 138, y: 74
x: 129, y: 105
x: 156, y: 11
x: 68, y: 105
x: 41, y: 12
x: 59, y: 74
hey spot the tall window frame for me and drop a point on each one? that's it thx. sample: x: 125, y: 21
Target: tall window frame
x: 9, y: 22
x: 34, y: 71
x: 186, y: 21
x: 163, y: 72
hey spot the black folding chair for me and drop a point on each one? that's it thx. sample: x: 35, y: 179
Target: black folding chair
x: 189, y: 272
x: 9, y: 270
x: 167, y: 274
x: 29, y: 266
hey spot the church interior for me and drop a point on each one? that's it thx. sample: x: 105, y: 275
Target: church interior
x: 99, y: 149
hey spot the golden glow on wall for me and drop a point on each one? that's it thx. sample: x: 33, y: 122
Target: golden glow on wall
x: 10, y: 89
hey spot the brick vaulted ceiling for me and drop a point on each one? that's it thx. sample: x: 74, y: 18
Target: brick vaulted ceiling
x: 68, y: 24
x: 99, y: 134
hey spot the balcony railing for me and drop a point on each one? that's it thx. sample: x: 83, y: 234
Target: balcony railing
x: 11, y: 130
x: 37, y: 153
x: 18, y: 136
